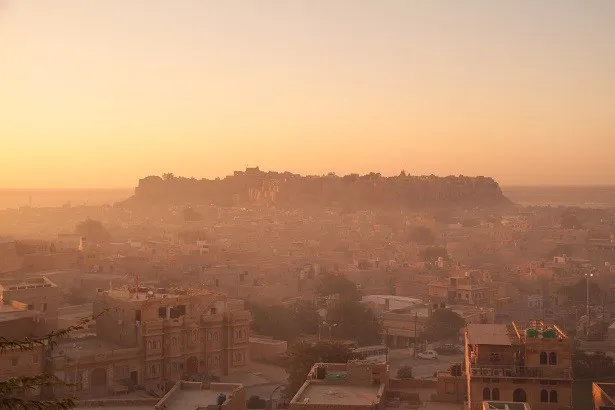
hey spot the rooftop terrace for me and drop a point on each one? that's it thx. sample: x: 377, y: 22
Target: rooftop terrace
x: 338, y: 393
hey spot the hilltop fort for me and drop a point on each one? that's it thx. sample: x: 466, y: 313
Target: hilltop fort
x: 255, y: 187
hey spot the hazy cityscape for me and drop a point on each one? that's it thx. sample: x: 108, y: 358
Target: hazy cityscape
x: 310, y: 205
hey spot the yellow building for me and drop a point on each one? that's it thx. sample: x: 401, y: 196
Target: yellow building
x: 531, y: 364
x: 152, y: 338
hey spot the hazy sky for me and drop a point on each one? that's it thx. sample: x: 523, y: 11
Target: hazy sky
x: 101, y: 93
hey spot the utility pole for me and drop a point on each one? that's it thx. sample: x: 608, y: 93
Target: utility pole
x: 602, y: 332
x: 416, y: 344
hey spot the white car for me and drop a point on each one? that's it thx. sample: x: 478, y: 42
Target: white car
x: 428, y: 355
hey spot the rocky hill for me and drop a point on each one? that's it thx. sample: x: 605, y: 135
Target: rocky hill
x: 255, y: 187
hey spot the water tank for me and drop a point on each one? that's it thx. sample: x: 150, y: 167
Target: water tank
x: 531, y: 333
x: 221, y: 399
x: 549, y: 334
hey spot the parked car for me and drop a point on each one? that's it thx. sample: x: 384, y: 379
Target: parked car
x: 428, y: 355
x: 449, y: 349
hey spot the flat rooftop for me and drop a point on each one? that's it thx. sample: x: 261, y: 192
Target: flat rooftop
x: 184, y: 399
x: 504, y: 405
x: 8, y: 313
x: 318, y: 393
x: 116, y: 407
x: 489, y: 334
x: 28, y: 283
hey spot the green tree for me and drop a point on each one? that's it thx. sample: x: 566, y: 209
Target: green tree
x: 302, y: 356
x: 278, y: 322
x: 353, y: 320
x: 405, y: 372
x: 331, y: 284
x: 571, y: 221
x: 190, y: 215
x: 432, y: 253
x: 443, y: 324
x: 305, y: 313
x: 594, y: 366
x: 168, y: 176
x: 93, y: 231
x: 421, y: 235
x: 12, y: 390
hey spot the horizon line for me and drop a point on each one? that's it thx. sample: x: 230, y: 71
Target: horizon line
x: 122, y: 188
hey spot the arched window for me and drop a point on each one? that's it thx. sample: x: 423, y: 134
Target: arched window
x: 552, y: 358
x: 543, y: 358
x: 486, y: 393
x: 495, y: 394
x: 544, y: 396
x: 174, y: 341
x: 553, y: 396
x: 519, y: 396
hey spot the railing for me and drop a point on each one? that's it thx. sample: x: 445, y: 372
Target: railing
x: 512, y: 371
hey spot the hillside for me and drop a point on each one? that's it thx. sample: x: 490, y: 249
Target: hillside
x: 255, y: 187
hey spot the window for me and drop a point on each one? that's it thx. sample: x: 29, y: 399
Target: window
x: 553, y: 396
x: 14, y: 361
x: 552, y: 358
x: 543, y: 358
x: 449, y: 388
x: 44, y: 307
x: 215, y: 336
x: 212, y: 311
x: 162, y: 312
x: 544, y: 396
x: 195, y: 335
x: 174, y: 341
x: 34, y: 359
x: 30, y: 307
x: 486, y: 393
x: 495, y: 394
x: 177, y: 312
x: 519, y: 396
x: 174, y: 367
x: 153, y: 369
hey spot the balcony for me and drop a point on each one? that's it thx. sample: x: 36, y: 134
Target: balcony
x: 521, y: 372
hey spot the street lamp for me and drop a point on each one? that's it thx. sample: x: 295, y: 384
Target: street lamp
x: 587, y: 276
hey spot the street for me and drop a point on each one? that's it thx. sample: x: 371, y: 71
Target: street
x: 421, y: 369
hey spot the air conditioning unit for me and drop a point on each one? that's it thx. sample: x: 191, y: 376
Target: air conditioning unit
x: 498, y: 372
x: 486, y: 371
x: 475, y: 372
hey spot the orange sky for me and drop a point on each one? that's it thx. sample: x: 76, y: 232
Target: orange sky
x: 100, y: 94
